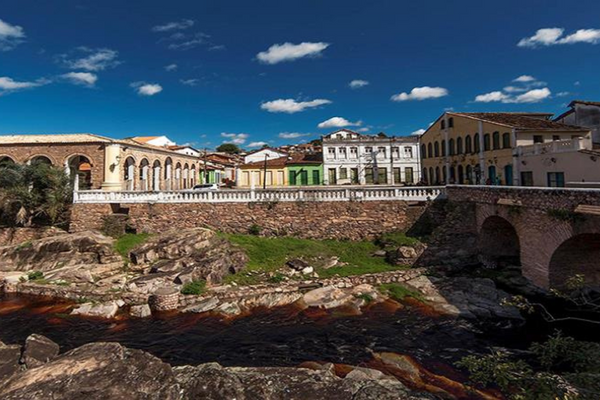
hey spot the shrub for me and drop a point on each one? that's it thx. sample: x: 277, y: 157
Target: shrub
x: 194, y: 287
x: 254, y: 230
x: 276, y: 278
x: 128, y: 242
x: 35, y: 275
x: 399, y: 292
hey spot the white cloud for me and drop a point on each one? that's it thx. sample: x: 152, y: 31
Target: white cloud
x: 187, y: 42
x: 146, y: 89
x: 338, y: 122
x: 292, y: 135
x: 533, y: 96
x: 174, y: 26
x: 90, y: 59
x: 514, y: 89
x: 418, y: 132
x: 171, y: 67
x: 358, y: 83
x: 252, y: 145
x: 9, y: 85
x: 554, y: 36
x: 491, y: 97
x: 235, y: 138
x: 562, y: 94
x: 421, y: 93
x: 81, y: 78
x: 292, y: 106
x: 10, y: 35
x: 524, y: 78
x: 289, y: 52
x: 190, y: 82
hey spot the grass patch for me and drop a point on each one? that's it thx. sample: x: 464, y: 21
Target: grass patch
x: 195, y: 287
x: 128, y: 242
x: 396, y: 239
x: 24, y: 245
x: 399, y: 292
x: 269, y: 254
x: 35, y: 275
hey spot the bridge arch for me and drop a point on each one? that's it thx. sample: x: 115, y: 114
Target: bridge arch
x: 498, y: 242
x: 579, y: 254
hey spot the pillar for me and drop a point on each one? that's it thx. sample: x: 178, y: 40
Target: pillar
x: 112, y: 169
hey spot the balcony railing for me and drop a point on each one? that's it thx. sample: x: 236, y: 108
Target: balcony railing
x: 384, y: 193
x: 557, y: 146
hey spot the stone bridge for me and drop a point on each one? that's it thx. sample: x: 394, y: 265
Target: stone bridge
x: 554, y: 233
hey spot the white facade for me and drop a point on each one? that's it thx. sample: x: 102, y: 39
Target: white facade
x: 187, y: 150
x: 352, y: 158
x: 260, y: 155
x: 161, y: 141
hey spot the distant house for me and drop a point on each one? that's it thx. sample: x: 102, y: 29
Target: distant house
x: 160, y: 141
x: 260, y: 155
x: 187, y: 150
x: 271, y: 172
x: 583, y: 113
x: 353, y: 158
x: 305, y: 169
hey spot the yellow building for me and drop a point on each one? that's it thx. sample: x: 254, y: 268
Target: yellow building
x: 477, y: 148
x: 255, y: 174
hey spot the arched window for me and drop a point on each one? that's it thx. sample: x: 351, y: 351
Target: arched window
x: 6, y: 160
x: 144, y: 174
x: 40, y: 159
x: 452, y: 175
x: 468, y: 145
x: 129, y: 173
x: 443, y: 124
x: 496, y: 140
x: 459, y: 145
x: 437, y: 175
x: 477, y: 144
x: 425, y: 179
x: 450, y: 122
x: 486, y: 142
x: 436, y: 149
x: 469, y: 174
x: 506, y: 140
x: 451, y: 150
x: 429, y: 150
x: 423, y: 152
x: 443, y: 148
x: 431, y: 177
x: 461, y: 175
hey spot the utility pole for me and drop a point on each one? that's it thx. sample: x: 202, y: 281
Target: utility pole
x: 265, y: 172
x: 205, y: 167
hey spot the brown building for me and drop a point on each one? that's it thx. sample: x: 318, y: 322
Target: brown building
x: 104, y: 163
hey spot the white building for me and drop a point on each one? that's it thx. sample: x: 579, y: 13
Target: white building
x: 352, y: 158
x: 260, y: 155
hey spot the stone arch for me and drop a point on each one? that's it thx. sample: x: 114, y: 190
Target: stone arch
x: 81, y: 166
x: 6, y: 159
x: 578, y: 255
x: 144, y: 174
x: 186, y: 175
x: 168, y: 175
x: 177, y: 179
x: 156, y: 175
x: 129, y: 173
x: 498, y: 242
x: 42, y: 158
x: 193, y: 175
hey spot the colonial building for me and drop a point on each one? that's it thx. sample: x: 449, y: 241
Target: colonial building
x: 262, y: 154
x: 305, y: 169
x: 104, y: 163
x: 265, y: 173
x: 477, y: 148
x: 352, y: 158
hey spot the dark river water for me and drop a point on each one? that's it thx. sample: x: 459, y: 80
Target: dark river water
x: 277, y: 337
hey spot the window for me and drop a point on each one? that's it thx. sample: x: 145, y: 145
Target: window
x: 343, y: 173
x: 408, y: 152
x: 424, y: 178
x: 316, y: 177
x: 506, y: 140
x: 459, y: 146
x: 443, y: 148
x: 382, y: 177
x: 451, y: 147
x: 354, y: 175
x: 304, y: 177
x: 538, y: 139
x: 368, y: 150
x: 397, y: 177
x: 486, y: 142
x: 527, y: 178
x: 423, y: 152
x: 395, y: 152
x: 443, y: 124
x: 556, y: 179
x: 477, y: 144
x: 555, y: 137
x: 496, y: 140
x: 436, y: 148
x: 342, y: 152
x: 353, y: 152
x: 332, y: 176
x: 381, y: 151
x: 468, y: 145
x: 450, y: 122
x: 331, y: 153
x: 292, y: 178
x: 429, y: 150
x: 369, y: 175
x: 408, y: 175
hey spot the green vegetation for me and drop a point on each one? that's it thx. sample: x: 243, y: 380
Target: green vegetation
x: 269, y: 254
x: 229, y: 148
x: 24, y: 245
x: 35, y: 275
x: 399, y: 292
x: 254, y: 230
x: 194, y: 287
x: 561, y: 368
x: 396, y: 239
x: 366, y: 297
x: 276, y: 278
x: 128, y: 242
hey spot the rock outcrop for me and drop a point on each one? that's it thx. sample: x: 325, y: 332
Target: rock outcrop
x: 110, y: 371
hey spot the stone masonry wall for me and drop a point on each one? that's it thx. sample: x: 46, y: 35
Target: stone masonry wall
x: 12, y: 236
x: 322, y: 220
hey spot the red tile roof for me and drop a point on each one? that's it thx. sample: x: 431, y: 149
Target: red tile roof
x: 521, y: 122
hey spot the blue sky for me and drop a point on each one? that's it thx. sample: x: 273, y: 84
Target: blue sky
x: 254, y: 72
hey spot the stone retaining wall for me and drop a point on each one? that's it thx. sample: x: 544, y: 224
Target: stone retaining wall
x: 13, y: 236
x: 352, y: 220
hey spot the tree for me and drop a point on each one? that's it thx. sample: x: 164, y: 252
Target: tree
x: 35, y: 193
x: 229, y: 148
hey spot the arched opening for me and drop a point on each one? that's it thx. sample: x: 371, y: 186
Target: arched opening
x: 177, y: 182
x: 498, y: 242
x: 469, y: 174
x: 144, y: 174
x: 186, y: 176
x: 425, y: 177
x: 452, y: 175
x: 6, y: 160
x: 431, y: 177
x: 437, y: 175
x: 577, y: 255
x: 81, y: 167
x: 168, y: 173
x: 129, y: 173
x: 40, y: 159
x: 156, y: 175
x: 193, y: 176
x: 461, y: 175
